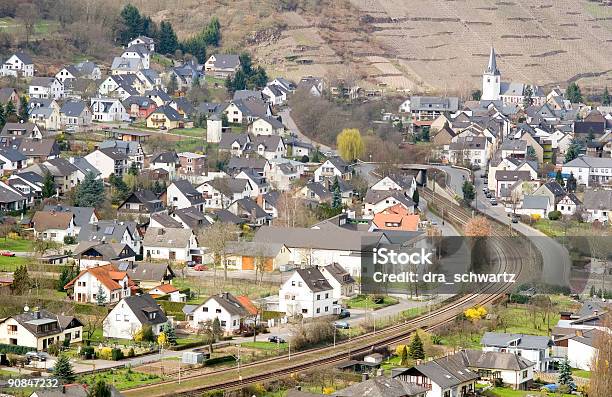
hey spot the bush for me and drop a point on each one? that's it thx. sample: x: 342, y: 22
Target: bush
x: 131, y: 352
x: 69, y: 240
x: 53, y: 349
x: 554, y: 215
x: 88, y: 352
x: 116, y: 354
x: 20, y: 350
x: 219, y: 360
x: 105, y: 353
x: 304, y: 159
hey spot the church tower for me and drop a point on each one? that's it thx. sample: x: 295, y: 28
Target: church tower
x: 491, y: 80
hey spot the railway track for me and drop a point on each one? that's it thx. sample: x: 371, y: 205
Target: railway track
x: 510, y: 257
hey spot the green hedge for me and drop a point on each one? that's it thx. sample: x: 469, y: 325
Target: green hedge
x: 188, y: 345
x: 16, y: 349
x: 173, y: 309
x: 219, y: 360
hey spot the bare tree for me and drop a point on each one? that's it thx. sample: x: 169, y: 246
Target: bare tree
x: 217, y: 238
x: 293, y: 211
x: 601, y: 365
x: 29, y: 15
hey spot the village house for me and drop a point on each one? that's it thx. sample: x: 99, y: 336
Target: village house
x: 46, y: 87
x: 75, y: 115
x: 222, y: 65
x: 13, y: 199
x: 141, y: 203
x: 9, y: 94
x: 100, y: 284
x: 331, y: 168
x: 258, y: 184
x: 39, y: 329
x: 11, y: 160
x: 139, y: 107
x: 144, y: 40
x: 168, y: 161
x: 82, y: 215
x: 131, y: 314
x: 109, y: 161
x: 182, y: 194
x: 307, y: 293
x: 249, y: 211
x: 403, y: 183
x: 149, y: 275
x: 165, y: 118
x: 597, y: 204
x: 23, y: 130
x: 568, y: 204
x: 472, y: 150
x: 18, y: 65
x: 376, y: 201
x: 424, y: 110
x: 192, y: 166
x: 221, y: 192
x: 113, y: 231
x: 169, y: 244
x: 590, y: 171
x: 53, y: 226
x: 395, y: 218
x: 45, y: 113
x: 174, y: 295
x: 108, y: 110
x: 282, y: 174
x: 247, y: 110
x: 90, y: 254
x: 266, y: 126
x: 247, y: 255
x: 531, y: 347
x: 190, y: 218
x: 343, y: 284
x: 224, y: 306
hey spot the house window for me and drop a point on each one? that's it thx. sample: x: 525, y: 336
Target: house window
x: 217, y: 310
x: 117, y: 317
x: 304, y: 311
x: 223, y: 323
x: 77, y: 334
x: 525, y: 374
x: 326, y: 308
x: 318, y: 310
x: 326, y: 295
x: 205, y: 309
x: 318, y: 297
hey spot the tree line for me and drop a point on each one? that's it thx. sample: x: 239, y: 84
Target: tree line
x: 131, y: 24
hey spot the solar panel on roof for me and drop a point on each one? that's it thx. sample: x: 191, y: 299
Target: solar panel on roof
x: 109, y: 230
x: 123, y: 266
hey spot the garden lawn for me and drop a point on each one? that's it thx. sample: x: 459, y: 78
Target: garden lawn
x: 16, y: 245
x: 205, y: 287
x: 366, y: 301
x: 192, y: 132
x: 521, y: 321
x: 122, y: 379
x: 581, y: 373
x: 9, y: 264
x: 263, y: 345
x: 505, y: 392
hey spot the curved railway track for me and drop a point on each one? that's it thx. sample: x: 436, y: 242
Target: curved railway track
x: 510, y: 257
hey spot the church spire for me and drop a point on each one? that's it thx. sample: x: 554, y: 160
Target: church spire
x: 492, y: 67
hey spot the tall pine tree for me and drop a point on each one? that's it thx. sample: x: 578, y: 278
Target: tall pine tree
x: 23, y: 109
x: 90, y: 193
x: 572, y: 151
x: 337, y: 195
x: 130, y: 24
x: 605, y: 99
x: 565, y: 373
x: 168, y: 43
x: 168, y: 329
x: 573, y: 93
x: 416, y: 347
x: 63, y: 370
x: 48, y: 189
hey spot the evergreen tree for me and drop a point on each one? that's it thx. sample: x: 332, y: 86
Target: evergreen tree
x: 21, y: 281
x: 527, y: 97
x: 403, y: 355
x: 216, y: 328
x: 573, y: 93
x: 2, y: 118
x: 172, y: 84
x: 240, y: 81
x: 416, y: 198
x: 246, y: 63
x: 259, y: 78
x: 572, y: 152
x: 168, y: 329
x: 10, y: 115
x: 168, y: 43
x: 100, y: 296
x: 337, y: 196
x: 571, y: 183
x: 531, y: 153
x: 23, y: 109
x: 67, y: 274
x: 195, y: 83
x: 99, y: 389
x: 130, y: 24
x: 565, y: 373
x: 90, y: 193
x: 605, y: 99
x: 559, y: 178
x: 63, y: 370
x: 157, y: 187
x: 476, y: 95
x: 468, y: 191
x: 48, y: 189
x: 133, y: 169
x: 212, y: 33
x: 120, y: 190
x: 416, y: 347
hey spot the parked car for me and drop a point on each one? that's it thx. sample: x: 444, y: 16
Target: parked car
x: 276, y: 339
x: 8, y: 253
x: 344, y: 313
x: 342, y: 325
x: 36, y: 356
x: 200, y: 268
x: 515, y: 218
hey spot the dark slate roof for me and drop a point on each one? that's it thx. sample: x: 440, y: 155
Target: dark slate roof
x: 169, y: 112
x: 339, y: 273
x: 224, y: 216
x: 166, y: 157
x: 5, y: 94
x: 340, y: 164
x: 376, y: 196
x: 243, y: 94
x: 166, y: 220
x: 108, y: 251
x: 106, y: 230
x: 60, y: 167
x: 314, y: 279
x: 250, y: 206
x: 226, y: 61
x: 24, y: 57
x: 73, y: 108
x: 192, y: 217
x: 499, y: 339
x: 382, y: 386
x: 185, y: 187
x: 143, y: 271
x: 115, y: 153
x: 597, y: 199
x: 147, y: 198
x: 12, y: 154
x: 82, y: 215
x: 320, y: 190
x: 228, y: 139
x: 30, y: 321
x: 85, y: 166
x: 229, y: 186
x: 446, y: 371
x: 555, y: 188
x: 229, y: 303
x: 142, y: 306
x: 237, y: 164
x: 494, y: 360
x: 9, y: 196
x: 535, y: 202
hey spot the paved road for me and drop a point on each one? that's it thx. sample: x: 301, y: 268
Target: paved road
x: 556, y: 260
x: 285, y: 114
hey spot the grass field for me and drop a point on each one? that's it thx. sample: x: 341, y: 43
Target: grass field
x: 366, y: 301
x: 122, y: 378
x: 505, y: 392
x: 192, y: 132
x: 205, y: 287
x: 264, y: 345
x: 8, y: 264
x: 581, y: 373
x: 559, y: 229
x: 17, y: 245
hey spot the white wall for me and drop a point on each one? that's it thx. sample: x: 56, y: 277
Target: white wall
x: 229, y: 322
x: 580, y: 355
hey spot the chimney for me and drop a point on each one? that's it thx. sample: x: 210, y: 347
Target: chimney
x: 579, y: 333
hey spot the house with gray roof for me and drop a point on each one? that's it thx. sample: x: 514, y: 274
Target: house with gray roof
x: 376, y: 201
x: 531, y: 347
x: 598, y: 204
x: 40, y: 328
x: 141, y: 204
x: 112, y: 231
x: 590, y: 171
x: 90, y: 254
x: 169, y: 244
x: 307, y: 293
x: 147, y: 274
x: 18, y: 64
x: 130, y: 314
x: 75, y: 114
x: 224, y: 306
x: 247, y: 209
x: 381, y: 386
x: 12, y: 160
x: 82, y: 215
x: 247, y: 110
x: 235, y: 144
x: 222, y: 65
x: 11, y: 198
x: 536, y: 205
x: 191, y: 218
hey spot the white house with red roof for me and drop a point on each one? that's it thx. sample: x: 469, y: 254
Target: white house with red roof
x: 168, y: 289
x: 106, y: 280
